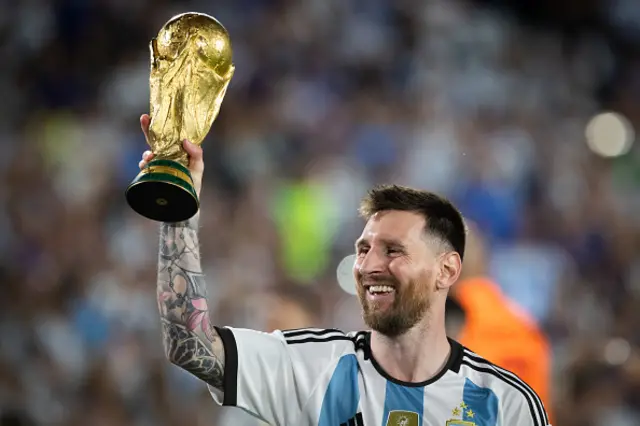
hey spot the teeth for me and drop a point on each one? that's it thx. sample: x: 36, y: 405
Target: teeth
x: 380, y: 289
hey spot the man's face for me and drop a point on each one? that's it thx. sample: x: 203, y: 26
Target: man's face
x: 395, y: 271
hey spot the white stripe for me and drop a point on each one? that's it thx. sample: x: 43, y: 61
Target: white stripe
x: 517, y: 383
x: 373, y: 389
x: 449, y: 392
x: 508, y: 373
x: 359, y: 334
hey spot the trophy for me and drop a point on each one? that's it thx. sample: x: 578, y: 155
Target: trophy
x: 191, y: 67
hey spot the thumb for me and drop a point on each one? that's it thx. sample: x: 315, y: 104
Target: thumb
x: 196, y: 163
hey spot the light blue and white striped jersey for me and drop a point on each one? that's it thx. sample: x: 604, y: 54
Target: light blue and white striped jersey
x: 322, y: 377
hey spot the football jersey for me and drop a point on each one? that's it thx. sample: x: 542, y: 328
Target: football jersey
x: 320, y: 377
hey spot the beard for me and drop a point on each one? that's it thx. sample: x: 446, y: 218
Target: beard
x: 410, y: 305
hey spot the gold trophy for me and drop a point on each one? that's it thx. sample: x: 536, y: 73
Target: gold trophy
x: 191, y: 67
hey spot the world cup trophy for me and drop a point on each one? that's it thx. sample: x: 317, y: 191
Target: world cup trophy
x: 191, y: 67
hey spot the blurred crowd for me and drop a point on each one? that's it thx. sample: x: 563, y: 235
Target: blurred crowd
x: 475, y: 100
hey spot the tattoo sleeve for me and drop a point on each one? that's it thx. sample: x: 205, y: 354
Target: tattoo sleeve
x: 190, y: 341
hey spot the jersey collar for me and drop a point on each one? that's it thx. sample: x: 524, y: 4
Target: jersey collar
x: 452, y: 364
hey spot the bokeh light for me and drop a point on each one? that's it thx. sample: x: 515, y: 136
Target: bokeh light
x: 617, y: 351
x: 609, y: 134
x: 344, y: 274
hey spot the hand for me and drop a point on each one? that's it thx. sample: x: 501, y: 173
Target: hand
x: 196, y: 164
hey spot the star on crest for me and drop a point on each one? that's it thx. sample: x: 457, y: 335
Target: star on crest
x: 461, y: 409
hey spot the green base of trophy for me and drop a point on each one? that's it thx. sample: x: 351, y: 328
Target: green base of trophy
x: 163, y: 191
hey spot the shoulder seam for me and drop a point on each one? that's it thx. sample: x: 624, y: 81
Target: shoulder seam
x: 510, y: 379
x: 325, y: 339
x: 312, y: 330
x: 477, y: 358
x: 313, y: 335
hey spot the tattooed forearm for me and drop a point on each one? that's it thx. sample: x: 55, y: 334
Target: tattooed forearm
x: 190, y: 340
x: 193, y: 354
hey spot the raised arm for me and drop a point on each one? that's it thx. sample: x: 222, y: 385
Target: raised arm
x: 190, y: 340
x: 270, y: 375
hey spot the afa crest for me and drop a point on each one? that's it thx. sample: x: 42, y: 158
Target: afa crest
x: 403, y: 418
x: 462, y: 411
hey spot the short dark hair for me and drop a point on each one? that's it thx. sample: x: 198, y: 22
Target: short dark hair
x: 442, y: 219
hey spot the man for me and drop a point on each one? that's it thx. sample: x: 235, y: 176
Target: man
x: 483, y: 319
x: 405, y: 372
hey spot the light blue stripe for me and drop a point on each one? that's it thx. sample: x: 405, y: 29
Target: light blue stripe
x: 341, y: 399
x: 403, y: 398
x: 481, y: 404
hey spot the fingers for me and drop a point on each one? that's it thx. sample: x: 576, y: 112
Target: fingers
x: 196, y: 163
x: 195, y: 157
x: 145, y: 121
x: 194, y: 151
x: 146, y: 157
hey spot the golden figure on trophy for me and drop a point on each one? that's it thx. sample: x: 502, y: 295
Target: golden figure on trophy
x: 191, y: 67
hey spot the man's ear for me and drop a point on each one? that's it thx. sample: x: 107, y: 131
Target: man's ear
x: 450, y: 268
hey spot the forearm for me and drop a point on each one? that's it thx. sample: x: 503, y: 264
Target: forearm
x: 190, y: 340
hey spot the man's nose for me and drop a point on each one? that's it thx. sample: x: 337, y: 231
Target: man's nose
x: 373, y: 262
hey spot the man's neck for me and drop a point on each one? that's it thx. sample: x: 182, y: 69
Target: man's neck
x: 416, y: 356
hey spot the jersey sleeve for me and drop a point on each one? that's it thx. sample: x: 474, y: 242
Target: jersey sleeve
x: 518, y: 409
x: 272, y: 375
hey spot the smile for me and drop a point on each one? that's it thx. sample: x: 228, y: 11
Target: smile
x: 380, y: 289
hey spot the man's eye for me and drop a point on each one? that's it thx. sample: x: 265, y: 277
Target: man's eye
x: 363, y: 250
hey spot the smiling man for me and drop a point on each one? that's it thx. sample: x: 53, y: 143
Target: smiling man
x: 404, y: 372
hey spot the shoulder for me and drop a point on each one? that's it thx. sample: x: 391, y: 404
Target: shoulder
x: 512, y: 392
x: 319, y: 348
x: 321, y: 339
x: 315, y: 336
x: 306, y: 340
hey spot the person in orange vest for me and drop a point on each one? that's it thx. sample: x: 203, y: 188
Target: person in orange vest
x: 484, y: 320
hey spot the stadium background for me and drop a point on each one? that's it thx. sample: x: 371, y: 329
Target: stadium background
x: 487, y: 102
